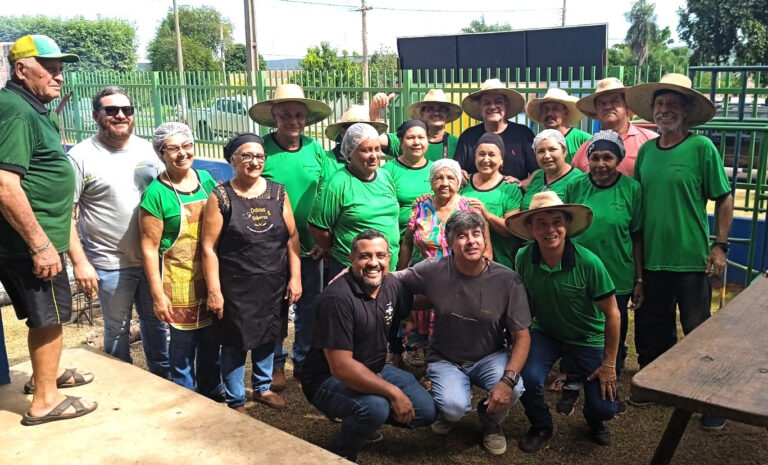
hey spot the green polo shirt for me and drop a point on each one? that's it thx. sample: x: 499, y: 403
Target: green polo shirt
x: 410, y: 184
x: 30, y: 145
x: 538, y: 184
x: 300, y: 172
x: 562, y: 298
x: 498, y: 200
x: 334, y: 161
x: 617, y: 211
x: 573, y: 140
x: 434, y: 152
x: 348, y: 205
x: 677, y: 182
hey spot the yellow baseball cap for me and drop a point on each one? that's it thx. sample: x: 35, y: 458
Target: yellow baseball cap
x: 38, y: 46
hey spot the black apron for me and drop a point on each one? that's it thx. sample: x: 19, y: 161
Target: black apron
x: 253, y: 267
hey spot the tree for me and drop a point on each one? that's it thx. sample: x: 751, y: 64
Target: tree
x: 236, y: 59
x: 661, y: 59
x: 384, y: 59
x: 103, y: 44
x: 201, y: 40
x: 481, y: 26
x: 643, y: 31
x: 327, y: 67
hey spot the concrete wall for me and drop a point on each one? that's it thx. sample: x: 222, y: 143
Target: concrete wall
x: 4, y: 69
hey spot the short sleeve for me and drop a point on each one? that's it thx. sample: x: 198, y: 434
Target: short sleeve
x: 78, y: 170
x: 715, y: 180
x: 639, y: 162
x: 17, y: 142
x: 513, y: 198
x: 463, y: 153
x: 518, y: 311
x: 415, y: 278
x: 327, y: 207
x: 334, y: 324
x: 601, y: 284
x: 636, y: 209
x: 152, y: 201
x: 394, y: 149
x: 404, y: 300
x: 207, y: 181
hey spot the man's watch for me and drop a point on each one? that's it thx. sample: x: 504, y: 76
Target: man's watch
x: 513, y: 376
x: 721, y: 245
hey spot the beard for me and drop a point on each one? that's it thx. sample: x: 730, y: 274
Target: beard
x: 369, y: 283
x: 116, y: 132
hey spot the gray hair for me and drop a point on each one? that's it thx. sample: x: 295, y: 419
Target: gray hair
x: 463, y: 221
x: 166, y: 130
x: 449, y: 163
x: 550, y: 134
x: 106, y: 92
x: 354, y: 136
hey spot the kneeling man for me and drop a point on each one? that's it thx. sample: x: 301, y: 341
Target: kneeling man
x: 344, y: 374
x: 575, y: 315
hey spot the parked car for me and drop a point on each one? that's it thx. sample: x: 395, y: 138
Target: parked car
x: 225, y: 117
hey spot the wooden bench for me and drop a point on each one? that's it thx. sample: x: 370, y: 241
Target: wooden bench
x: 720, y: 369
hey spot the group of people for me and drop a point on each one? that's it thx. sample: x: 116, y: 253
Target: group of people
x: 484, y: 259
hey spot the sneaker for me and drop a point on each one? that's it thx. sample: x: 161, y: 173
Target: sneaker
x: 567, y: 402
x: 712, y: 423
x: 600, y: 434
x: 441, y: 426
x: 494, y: 440
x: 534, y: 439
x: 621, y: 407
x: 376, y: 436
x: 640, y: 402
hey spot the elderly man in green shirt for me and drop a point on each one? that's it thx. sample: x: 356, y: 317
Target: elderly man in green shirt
x: 557, y: 110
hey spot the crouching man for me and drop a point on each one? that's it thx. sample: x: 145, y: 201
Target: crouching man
x: 344, y: 374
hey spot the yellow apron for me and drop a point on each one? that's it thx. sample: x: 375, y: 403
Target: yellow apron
x: 182, y: 269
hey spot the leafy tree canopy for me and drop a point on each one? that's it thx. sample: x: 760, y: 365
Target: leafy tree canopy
x: 326, y: 66
x: 479, y: 25
x: 236, y: 61
x: 383, y: 59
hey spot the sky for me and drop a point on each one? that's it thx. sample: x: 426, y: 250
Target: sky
x: 286, y: 28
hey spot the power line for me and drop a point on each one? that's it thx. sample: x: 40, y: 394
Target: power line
x: 421, y: 10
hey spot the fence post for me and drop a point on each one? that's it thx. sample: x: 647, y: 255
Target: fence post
x: 156, y: 101
x: 76, y: 107
x: 261, y: 95
x: 406, y: 96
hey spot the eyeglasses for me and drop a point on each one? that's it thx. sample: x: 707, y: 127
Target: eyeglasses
x: 435, y: 109
x: 175, y: 149
x: 113, y: 111
x: 253, y: 157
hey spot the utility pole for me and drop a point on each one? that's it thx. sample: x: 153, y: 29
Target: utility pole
x: 222, y: 49
x: 251, y: 47
x: 364, y: 9
x: 180, y: 61
x: 563, y: 13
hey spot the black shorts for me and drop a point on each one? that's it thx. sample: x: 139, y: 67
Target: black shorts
x: 41, y: 303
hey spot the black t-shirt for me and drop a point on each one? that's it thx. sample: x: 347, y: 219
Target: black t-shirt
x: 519, y: 157
x: 349, y: 319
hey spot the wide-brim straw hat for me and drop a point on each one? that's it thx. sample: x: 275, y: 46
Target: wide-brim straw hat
x: 581, y: 215
x: 433, y: 97
x: 262, y: 111
x: 533, y: 109
x: 611, y: 84
x: 354, y: 114
x: 515, y: 100
x: 640, y: 99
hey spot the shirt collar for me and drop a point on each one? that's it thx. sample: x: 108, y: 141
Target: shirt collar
x: 26, y: 95
x: 632, y: 131
x: 569, y: 255
x: 354, y: 286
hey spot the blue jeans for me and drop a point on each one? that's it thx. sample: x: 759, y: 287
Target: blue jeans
x: 362, y: 414
x: 195, y: 360
x: 5, y: 375
x: 119, y: 290
x: 451, y: 385
x: 545, y: 351
x: 233, y: 372
x: 304, y: 313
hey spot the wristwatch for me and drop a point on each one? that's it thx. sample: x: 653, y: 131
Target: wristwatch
x: 512, y: 375
x: 722, y: 245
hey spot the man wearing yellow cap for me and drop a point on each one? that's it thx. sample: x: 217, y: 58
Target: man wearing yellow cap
x: 36, y: 189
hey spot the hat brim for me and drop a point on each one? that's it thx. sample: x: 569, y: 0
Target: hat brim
x: 454, y: 110
x: 65, y: 57
x: 640, y: 101
x: 581, y: 219
x: 586, y: 105
x: 533, y: 110
x: 332, y: 131
x: 515, y: 102
x: 262, y: 112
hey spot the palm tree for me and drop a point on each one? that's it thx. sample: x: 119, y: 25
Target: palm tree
x: 643, y: 31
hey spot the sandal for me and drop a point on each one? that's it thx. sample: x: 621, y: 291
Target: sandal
x: 61, y: 381
x: 58, y: 412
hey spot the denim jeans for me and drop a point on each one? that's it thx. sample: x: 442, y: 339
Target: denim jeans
x: 119, y: 290
x: 545, y: 351
x: 655, y: 321
x: 451, y: 384
x: 5, y: 375
x: 194, y: 358
x: 233, y: 372
x: 362, y: 414
x: 304, y: 313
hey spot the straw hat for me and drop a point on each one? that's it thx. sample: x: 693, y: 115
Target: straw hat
x: 533, y: 109
x: 435, y: 96
x: 587, y: 104
x: 547, y: 201
x: 515, y: 101
x: 316, y: 110
x: 354, y: 114
x: 640, y: 99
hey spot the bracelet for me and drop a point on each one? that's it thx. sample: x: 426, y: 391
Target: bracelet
x: 607, y: 365
x: 508, y: 381
x: 40, y: 249
x: 721, y: 245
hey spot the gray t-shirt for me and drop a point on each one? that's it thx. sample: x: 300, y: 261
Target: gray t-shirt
x: 108, y: 188
x: 471, y: 313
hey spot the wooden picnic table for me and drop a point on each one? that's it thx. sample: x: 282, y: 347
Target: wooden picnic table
x: 721, y: 368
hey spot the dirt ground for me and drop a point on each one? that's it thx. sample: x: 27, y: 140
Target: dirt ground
x: 635, y: 434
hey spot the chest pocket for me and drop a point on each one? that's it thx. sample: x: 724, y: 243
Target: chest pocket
x: 573, y: 291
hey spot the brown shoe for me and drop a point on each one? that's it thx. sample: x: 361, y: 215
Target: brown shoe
x: 269, y: 399
x: 279, y: 383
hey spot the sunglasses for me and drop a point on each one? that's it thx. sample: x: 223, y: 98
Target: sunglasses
x: 113, y: 111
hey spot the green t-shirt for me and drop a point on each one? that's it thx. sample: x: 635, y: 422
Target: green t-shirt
x: 562, y: 298
x: 618, y: 211
x: 499, y: 200
x: 30, y: 145
x: 160, y: 201
x: 573, y: 140
x: 348, y: 206
x: 558, y: 186
x: 410, y: 183
x: 434, y: 151
x: 300, y: 172
x: 331, y: 165
x: 677, y: 182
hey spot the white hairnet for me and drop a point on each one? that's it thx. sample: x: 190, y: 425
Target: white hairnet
x: 550, y: 134
x: 356, y: 134
x: 166, y: 130
x: 449, y: 163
